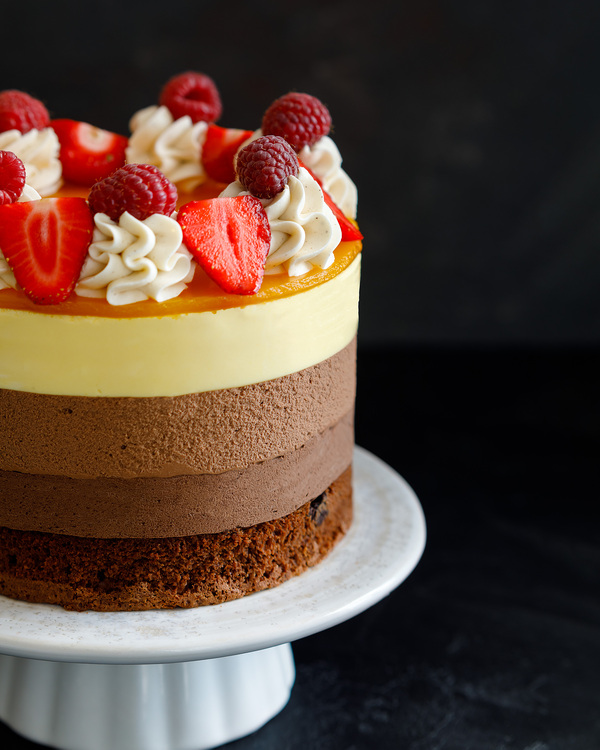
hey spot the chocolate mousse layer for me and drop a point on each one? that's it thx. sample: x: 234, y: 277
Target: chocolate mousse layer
x: 132, y: 574
x: 177, y: 506
x: 199, y: 433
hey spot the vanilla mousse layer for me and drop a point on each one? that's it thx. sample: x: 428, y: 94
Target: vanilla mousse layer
x: 200, y: 433
x: 179, y: 354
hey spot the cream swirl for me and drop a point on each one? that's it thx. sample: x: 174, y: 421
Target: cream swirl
x: 7, y: 277
x: 38, y: 150
x: 133, y: 260
x: 174, y: 146
x: 324, y: 159
x: 304, y: 231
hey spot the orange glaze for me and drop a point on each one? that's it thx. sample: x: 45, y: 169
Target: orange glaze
x: 201, y: 295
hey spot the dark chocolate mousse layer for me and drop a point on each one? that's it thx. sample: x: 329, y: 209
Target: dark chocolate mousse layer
x: 177, y: 506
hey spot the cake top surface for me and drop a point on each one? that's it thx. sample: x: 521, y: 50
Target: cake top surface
x: 181, y: 215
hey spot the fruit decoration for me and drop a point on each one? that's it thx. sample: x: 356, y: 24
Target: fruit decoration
x: 22, y: 112
x: 193, y: 94
x: 12, y: 177
x: 230, y: 238
x: 88, y: 153
x: 219, y: 150
x: 299, y: 118
x: 140, y: 189
x: 264, y: 166
x: 45, y: 243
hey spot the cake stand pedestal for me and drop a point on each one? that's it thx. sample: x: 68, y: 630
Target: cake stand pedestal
x: 198, y: 678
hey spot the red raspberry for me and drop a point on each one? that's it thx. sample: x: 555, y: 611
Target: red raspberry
x: 19, y: 111
x: 193, y: 94
x: 264, y: 166
x: 12, y: 177
x: 141, y: 189
x: 299, y: 118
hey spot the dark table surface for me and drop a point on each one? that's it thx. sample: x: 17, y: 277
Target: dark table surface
x: 493, y: 642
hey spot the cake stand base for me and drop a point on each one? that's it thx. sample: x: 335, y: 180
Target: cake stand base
x: 198, y: 678
x: 176, y: 706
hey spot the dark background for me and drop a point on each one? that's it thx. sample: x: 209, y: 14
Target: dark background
x: 472, y: 129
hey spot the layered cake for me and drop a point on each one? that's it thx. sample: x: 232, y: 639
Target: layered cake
x: 178, y: 317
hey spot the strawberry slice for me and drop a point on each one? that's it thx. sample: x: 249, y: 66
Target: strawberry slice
x: 45, y: 243
x: 88, y: 153
x: 230, y: 239
x: 220, y: 147
x: 350, y: 232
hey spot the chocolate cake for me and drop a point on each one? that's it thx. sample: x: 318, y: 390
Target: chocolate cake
x: 184, y: 439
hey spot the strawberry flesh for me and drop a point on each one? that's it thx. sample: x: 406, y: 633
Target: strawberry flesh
x: 218, y: 152
x: 88, y: 153
x: 45, y: 243
x: 230, y: 238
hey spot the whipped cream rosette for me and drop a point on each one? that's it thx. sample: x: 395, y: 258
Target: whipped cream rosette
x: 304, y: 231
x: 132, y: 260
x: 324, y: 159
x: 172, y: 145
x: 39, y: 152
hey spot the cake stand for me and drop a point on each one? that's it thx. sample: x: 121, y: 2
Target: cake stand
x: 198, y: 678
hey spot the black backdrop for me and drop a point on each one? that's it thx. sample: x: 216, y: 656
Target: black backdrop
x: 472, y: 129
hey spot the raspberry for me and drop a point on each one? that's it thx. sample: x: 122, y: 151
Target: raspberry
x: 264, y: 166
x: 12, y: 177
x: 193, y: 94
x: 141, y: 189
x: 19, y: 111
x: 299, y: 118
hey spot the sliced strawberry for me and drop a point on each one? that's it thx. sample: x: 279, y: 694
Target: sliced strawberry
x: 220, y: 147
x: 88, y: 153
x: 230, y: 239
x: 45, y: 243
x: 350, y: 232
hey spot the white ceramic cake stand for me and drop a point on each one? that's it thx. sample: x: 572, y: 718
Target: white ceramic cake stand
x: 198, y: 678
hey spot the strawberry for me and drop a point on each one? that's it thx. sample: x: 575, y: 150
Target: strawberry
x: 230, y: 239
x: 218, y: 152
x: 350, y: 232
x: 45, y: 243
x: 88, y: 153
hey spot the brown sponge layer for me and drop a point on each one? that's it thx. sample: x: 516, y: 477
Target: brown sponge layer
x: 134, y: 574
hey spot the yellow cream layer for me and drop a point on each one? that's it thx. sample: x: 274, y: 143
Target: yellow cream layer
x: 84, y: 355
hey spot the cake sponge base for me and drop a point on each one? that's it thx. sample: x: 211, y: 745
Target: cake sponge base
x: 140, y: 574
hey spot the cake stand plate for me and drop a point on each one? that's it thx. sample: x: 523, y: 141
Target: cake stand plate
x: 198, y: 678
